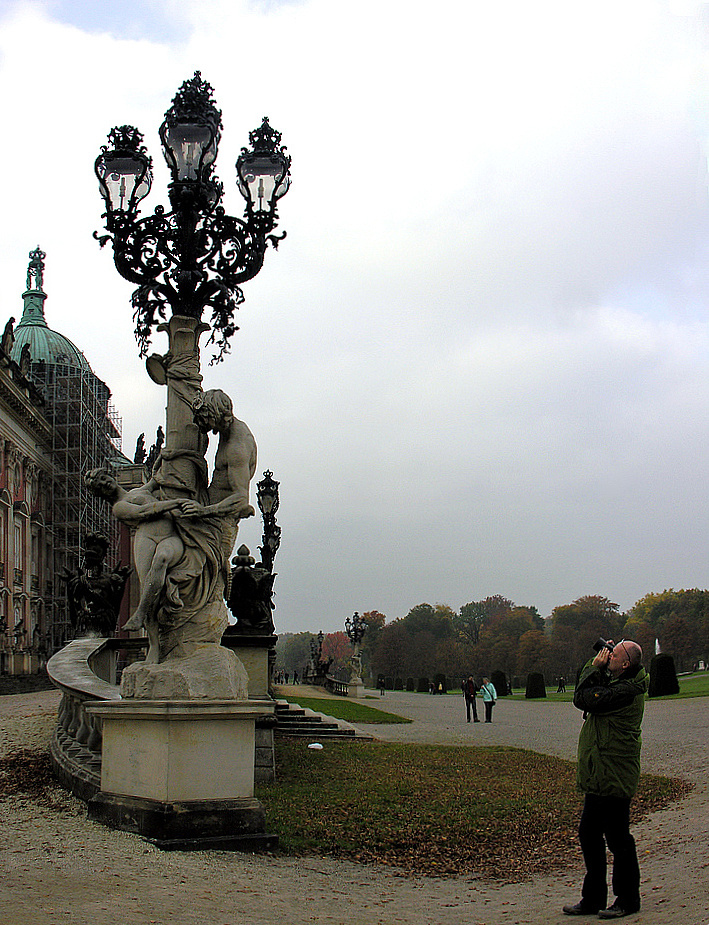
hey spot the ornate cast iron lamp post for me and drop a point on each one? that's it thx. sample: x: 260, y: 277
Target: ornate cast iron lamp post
x: 184, y: 262
x: 192, y: 258
x: 268, y: 501
x: 355, y: 629
x: 195, y: 256
x: 250, y: 597
x: 187, y: 261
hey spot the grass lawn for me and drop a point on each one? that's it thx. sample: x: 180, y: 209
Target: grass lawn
x: 551, y: 696
x: 434, y: 810
x: 351, y: 711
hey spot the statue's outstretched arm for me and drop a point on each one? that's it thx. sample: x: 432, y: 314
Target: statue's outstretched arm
x: 134, y: 512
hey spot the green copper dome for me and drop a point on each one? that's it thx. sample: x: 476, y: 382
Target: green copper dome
x: 45, y: 345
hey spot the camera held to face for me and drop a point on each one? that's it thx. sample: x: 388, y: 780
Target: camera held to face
x: 602, y: 643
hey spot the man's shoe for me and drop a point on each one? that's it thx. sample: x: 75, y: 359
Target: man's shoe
x: 616, y: 911
x: 580, y: 908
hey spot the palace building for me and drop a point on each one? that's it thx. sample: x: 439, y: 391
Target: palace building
x: 56, y: 423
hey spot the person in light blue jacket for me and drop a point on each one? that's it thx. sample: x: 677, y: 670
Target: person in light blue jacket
x: 489, y: 695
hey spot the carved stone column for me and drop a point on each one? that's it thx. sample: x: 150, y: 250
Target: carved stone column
x: 183, y: 470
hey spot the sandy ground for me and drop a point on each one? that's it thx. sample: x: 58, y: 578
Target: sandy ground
x: 57, y: 867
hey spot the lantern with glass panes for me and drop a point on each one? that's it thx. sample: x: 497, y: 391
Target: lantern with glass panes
x: 194, y: 257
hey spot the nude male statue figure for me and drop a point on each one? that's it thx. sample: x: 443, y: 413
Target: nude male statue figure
x: 234, y: 465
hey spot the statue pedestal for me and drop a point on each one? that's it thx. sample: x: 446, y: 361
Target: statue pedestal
x: 355, y: 688
x: 255, y: 653
x: 181, y: 773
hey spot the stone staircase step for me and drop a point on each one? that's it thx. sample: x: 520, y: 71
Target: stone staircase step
x: 293, y: 720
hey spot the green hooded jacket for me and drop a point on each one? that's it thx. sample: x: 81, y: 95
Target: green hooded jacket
x: 609, y: 744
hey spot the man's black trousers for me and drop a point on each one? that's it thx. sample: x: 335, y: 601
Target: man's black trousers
x: 606, y: 821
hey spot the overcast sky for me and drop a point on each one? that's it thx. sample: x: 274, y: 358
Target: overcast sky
x: 479, y: 362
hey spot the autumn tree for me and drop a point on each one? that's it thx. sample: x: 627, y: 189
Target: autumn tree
x: 581, y: 623
x: 680, y: 620
x: 438, y: 620
x: 469, y: 621
x: 679, y: 639
x: 374, y: 621
x: 413, y: 645
x: 453, y: 658
x: 474, y: 615
x: 645, y: 636
x: 394, y: 653
x: 338, y: 647
x: 500, y: 635
x: 532, y: 652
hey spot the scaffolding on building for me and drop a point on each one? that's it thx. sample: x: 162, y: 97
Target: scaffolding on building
x: 86, y: 434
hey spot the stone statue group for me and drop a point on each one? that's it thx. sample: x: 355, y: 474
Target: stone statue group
x: 185, y: 524
x: 182, y: 544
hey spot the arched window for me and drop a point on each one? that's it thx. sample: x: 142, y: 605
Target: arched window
x: 17, y: 558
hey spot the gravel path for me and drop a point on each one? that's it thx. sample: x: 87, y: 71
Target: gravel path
x: 58, y: 867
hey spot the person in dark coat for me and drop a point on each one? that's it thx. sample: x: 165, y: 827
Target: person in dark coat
x: 470, y: 689
x: 611, y: 692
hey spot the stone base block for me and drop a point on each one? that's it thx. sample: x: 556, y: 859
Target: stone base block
x: 181, y: 773
x: 254, y: 653
x: 237, y: 825
x: 264, y: 751
x: 179, y: 751
x: 355, y: 689
x: 212, y: 671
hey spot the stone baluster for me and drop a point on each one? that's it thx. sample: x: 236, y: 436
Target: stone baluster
x: 84, y: 730
x: 95, y: 740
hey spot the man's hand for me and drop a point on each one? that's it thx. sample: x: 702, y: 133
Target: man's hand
x: 192, y: 508
x: 601, y: 660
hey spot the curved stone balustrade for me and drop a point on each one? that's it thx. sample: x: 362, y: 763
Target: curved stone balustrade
x: 85, y: 672
x: 336, y: 687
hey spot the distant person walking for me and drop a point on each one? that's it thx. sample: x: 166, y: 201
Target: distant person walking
x: 381, y: 685
x: 470, y: 689
x: 611, y: 692
x: 489, y: 698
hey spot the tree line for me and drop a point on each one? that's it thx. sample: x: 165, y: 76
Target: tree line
x: 495, y: 634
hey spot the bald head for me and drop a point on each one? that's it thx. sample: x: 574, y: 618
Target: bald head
x: 625, y: 656
x: 634, y: 652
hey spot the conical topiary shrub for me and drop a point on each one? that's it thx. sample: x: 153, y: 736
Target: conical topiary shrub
x: 499, y: 679
x: 663, y: 677
x: 535, y: 686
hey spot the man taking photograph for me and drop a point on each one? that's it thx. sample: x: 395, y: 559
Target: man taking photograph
x: 611, y: 692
